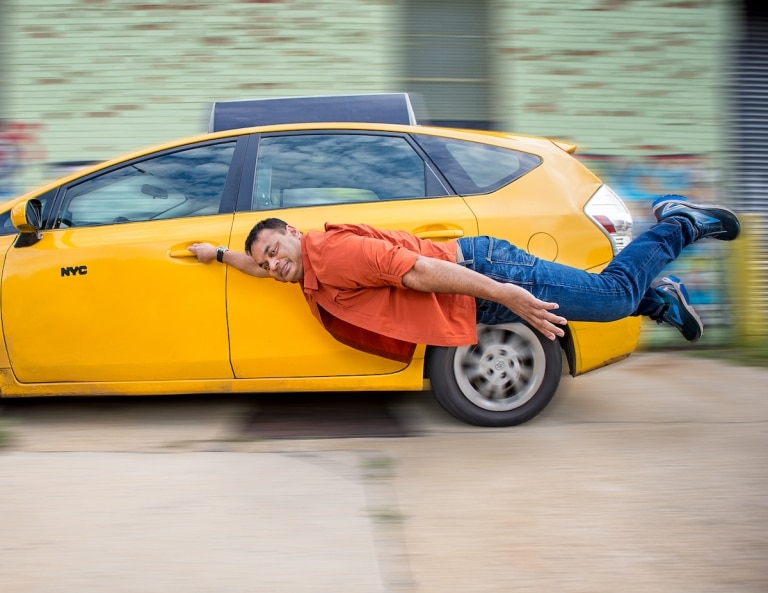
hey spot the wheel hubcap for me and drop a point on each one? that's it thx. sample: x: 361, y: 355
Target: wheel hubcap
x: 503, y: 370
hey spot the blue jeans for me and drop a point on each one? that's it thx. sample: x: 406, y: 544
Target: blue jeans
x: 620, y: 290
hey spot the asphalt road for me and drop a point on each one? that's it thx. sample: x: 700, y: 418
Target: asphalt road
x: 647, y: 476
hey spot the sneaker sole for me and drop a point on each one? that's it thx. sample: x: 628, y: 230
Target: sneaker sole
x: 731, y: 224
x: 680, y: 289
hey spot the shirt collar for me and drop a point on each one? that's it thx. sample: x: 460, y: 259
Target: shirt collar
x: 309, y: 282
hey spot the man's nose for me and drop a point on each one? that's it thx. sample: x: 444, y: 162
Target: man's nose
x: 273, y: 264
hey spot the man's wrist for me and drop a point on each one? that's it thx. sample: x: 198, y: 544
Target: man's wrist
x: 220, y: 251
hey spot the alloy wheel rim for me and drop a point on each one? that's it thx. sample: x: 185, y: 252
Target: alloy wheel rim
x: 504, y: 370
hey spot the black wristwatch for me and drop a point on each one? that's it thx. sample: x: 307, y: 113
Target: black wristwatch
x: 220, y: 251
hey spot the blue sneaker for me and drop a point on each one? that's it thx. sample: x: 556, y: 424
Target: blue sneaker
x: 678, y: 312
x: 709, y: 221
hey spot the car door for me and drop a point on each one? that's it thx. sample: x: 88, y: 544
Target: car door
x: 308, y: 179
x: 110, y: 292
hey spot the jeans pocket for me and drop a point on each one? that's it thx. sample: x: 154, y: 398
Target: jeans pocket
x: 503, y: 252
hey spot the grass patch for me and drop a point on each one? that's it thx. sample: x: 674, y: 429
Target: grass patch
x: 719, y: 343
x: 377, y: 467
x: 5, y: 434
x: 756, y: 356
x: 388, y: 516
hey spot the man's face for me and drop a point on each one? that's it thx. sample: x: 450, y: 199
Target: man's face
x: 279, y: 253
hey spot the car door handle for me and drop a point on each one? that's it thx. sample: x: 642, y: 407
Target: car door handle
x: 440, y: 234
x: 180, y: 253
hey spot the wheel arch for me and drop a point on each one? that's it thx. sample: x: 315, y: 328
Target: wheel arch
x: 569, y: 349
x: 566, y: 343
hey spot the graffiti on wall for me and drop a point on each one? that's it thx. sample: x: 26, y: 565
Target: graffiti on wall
x: 19, y: 146
x: 637, y: 178
x: 638, y: 181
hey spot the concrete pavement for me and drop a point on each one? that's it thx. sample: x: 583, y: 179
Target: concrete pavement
x: 649, y: 475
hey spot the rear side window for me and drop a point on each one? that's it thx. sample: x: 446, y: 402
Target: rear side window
x: 475, y: 168
x: 318, y: 169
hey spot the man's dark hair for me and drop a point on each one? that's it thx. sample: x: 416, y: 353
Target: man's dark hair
x: 273, y: 224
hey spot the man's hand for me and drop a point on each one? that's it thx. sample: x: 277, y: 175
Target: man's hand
x: 535, y: 312
x: 205, y: 252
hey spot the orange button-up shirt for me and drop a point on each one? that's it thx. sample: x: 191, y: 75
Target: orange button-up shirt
x: 353, y: 283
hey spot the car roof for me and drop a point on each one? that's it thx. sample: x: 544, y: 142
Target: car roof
x: 523, y: 142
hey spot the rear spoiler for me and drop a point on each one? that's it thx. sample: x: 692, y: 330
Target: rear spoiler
x: 390, y: 108
x: 566, y: 146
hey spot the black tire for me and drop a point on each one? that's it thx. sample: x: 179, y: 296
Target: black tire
x: 507, y: 378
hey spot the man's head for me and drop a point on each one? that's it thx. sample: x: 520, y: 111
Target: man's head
x: 276, y: 247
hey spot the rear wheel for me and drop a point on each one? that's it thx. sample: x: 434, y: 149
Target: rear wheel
x: 507, y: 378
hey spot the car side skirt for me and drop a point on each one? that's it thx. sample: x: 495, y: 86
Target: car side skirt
x: 409, y: 379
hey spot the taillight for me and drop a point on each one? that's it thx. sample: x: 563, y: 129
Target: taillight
x: 610, y: 214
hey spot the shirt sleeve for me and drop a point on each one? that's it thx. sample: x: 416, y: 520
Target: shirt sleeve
x: 349, y: 261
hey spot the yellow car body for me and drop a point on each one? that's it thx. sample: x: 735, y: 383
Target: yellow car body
x: 118, y: 305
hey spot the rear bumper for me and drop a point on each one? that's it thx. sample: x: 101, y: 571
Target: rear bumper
x: 590, y: 345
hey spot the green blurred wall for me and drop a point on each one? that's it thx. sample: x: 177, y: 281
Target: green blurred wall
x: 99, y: 77
x: 617, y: 77
x: 89, y: 79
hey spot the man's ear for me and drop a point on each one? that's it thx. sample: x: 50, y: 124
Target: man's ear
x: 292, y: 230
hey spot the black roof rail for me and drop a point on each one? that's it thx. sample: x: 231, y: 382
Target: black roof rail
x: 391, y: 108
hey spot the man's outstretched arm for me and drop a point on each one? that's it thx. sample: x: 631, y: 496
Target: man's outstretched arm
x: 239, y: 260
x: 434, y: 275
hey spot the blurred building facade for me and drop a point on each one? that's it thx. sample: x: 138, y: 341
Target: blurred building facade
x: 661, y: 96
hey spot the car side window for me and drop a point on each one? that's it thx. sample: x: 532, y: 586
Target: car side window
x: 6, y: 228
x: 475, y: 168
x: 172, y: 185
x: 319, y: 169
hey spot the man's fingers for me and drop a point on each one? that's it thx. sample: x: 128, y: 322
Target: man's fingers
x: 549, y: 320
x: 548, y: 323
x: 551, y: 331
x: 204, y: 252
x: 556, y: 319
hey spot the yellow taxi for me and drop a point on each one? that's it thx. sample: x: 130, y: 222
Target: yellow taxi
x: 100, y: 295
